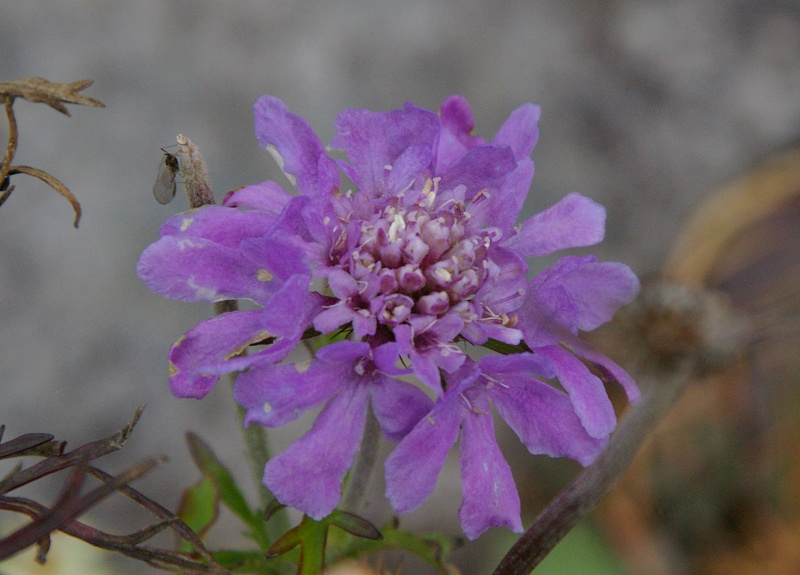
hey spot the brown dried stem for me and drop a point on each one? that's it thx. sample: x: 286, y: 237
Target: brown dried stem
x: 70, y: 505
x: 55, y: 95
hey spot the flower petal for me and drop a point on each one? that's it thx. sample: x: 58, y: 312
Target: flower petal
x: 456, y: 135
x: 414, y: 465
x: 308, y: 475
x: 267, y: 197
x: 209, y: 342
x: 520, y: 131
x: 374, y: 140
x: 398, y: 406
x: 484, y: 166
x: 598, y: 290
x: 507, y: 285
x: 274, y: 396
x: 500, y: 208
x: 610, y: 371
x: 586, y: 391
x: 542, y: 417
x: 218, y: 224
x: 298, y: 151
x: 490, y: 497
x: 196, y: 269
x: 575, y: 221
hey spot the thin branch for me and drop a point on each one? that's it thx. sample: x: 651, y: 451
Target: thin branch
x: 174, y: 522
x: 11, y: 145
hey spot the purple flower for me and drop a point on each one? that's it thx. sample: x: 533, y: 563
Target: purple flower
x: 419, y: 257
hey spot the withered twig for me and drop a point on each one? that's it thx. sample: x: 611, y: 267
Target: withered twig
x: 124, y: 544
x: 54, y: 94
x: 89, y: 451
x: 20, y: 444
x: 68, y: 506
x: 54, y: 183
x: 174, y: 522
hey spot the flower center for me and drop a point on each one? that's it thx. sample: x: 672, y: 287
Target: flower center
x: 417, y: 258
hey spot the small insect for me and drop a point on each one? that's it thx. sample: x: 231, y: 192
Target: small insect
x: 164, y: 188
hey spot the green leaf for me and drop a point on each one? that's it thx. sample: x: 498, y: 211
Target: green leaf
x: 199, y: 508
x: 229, y: 493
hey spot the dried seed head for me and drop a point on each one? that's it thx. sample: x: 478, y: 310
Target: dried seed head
x: 670, y: 323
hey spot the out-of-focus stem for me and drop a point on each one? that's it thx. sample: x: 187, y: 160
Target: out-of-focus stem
x: 363, y: 467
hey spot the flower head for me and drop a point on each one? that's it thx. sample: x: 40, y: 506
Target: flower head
x: 419, y: 256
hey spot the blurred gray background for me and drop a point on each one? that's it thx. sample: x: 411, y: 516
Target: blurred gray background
x: 646, y: 106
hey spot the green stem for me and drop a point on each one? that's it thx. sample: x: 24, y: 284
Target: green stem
x: 312, y: 557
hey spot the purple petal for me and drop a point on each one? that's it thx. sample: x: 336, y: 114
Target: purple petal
x: 398, y: 406
x: 288, y: 313
x: 610, y: 371
x: 274, y: 396
x: 456, y: 136
x: 196, y: 269
x: 500, y: 208
x: 484, y: 166
x: 414, y: 465
x: 267, y: 196
x: 490, y: 498
x: 520, y: 131
x: 507, y: 285
x: 224, y: 226
x: 576, y: 293
x: 342, y: 352
x: 549, y: 314
x: 309, y: 474
x: 299, y: 153
x: 586, y: 391
x: 209, y: 342
x: 541, y: 416
x: 386, y: 356
x: 575, y: 221
x: 374, y: 140
x: 598, y: 290
x: 427, y: 371
x: 407, y: 168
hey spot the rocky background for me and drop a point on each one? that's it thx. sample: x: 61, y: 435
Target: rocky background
x: 647, y: 105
